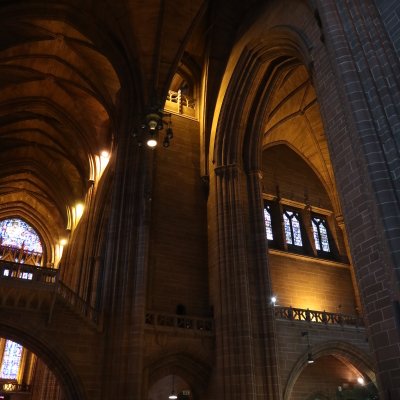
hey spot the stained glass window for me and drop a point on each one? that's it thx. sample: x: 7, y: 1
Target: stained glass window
x: 11, y: 360
x: 17, y: 233
x: 268, y: 222
x: 320, y: 233
x: 291, y: 221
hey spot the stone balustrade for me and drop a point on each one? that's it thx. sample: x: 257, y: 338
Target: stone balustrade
x: 180, y: 104
x: 16, y: 270
x: 313, y: 316
x: 184, y: 322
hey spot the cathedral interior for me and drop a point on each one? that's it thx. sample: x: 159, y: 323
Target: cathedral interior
x: 200, y: 200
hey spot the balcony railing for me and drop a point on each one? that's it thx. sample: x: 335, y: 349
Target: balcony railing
x: 15, y: 254
x: 183, y: 322
x: 15, y: 270
x: 78, y: 304
x: 180, y: 103
x: 48, y: 279
x: 13, y: 387
x: 313, y: 316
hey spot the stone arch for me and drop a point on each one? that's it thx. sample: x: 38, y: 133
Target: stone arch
x: 307, y: 162
x: 53, y: 357
x: 346, y: 352
x: 194, y: 372
x: 189, y: 71
x: 252, y: 72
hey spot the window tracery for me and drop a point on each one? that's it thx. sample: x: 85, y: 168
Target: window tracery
x: 15, y: 232
x: 291, y: 221
x: 320, y: 234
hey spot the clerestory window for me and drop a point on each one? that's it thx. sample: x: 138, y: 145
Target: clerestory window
x: 291, y: 220
x: 268, y: 222
x: 320, y: 233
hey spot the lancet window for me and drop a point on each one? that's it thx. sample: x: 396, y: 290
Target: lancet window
x: 11, y: 360
x: 268, y: 222
x: 320, y: 233
x: 291, y: 221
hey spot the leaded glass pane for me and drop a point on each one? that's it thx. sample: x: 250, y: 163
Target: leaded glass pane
x: 320, y: 234
x: 315, y: 233
x: 288, y: 230
x: 26, y: 275
x: 296, y: 231
x: 11, y: 360
x: 17, y: 233
x: 268, y: 223
x: 324, y: 237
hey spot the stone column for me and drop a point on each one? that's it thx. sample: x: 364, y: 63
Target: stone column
x: 365, y: 152
x: 45, y: 385
x: 239, y: 290
x: 125, y: 263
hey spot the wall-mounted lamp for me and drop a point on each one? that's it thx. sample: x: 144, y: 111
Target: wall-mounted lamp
x: 310, y: 359
x: 361, y: 381
x: 173, y: 395
x: 273, y: 300
x: 153, y: 122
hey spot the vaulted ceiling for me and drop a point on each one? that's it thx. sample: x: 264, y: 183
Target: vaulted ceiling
x: 72, y: 70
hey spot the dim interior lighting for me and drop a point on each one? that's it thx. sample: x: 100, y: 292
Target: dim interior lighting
x: 361, y: 381
x: 310, y: 359
x: 273, y: 300
x: 63, y: 242
x: 173, y: 395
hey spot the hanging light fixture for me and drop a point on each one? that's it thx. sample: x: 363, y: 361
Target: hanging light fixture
x: 310, y: 359
x: 173, y: 395
x: 154, y: 122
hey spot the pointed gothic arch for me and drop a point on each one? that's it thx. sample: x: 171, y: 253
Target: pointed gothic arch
x: 344, y: 351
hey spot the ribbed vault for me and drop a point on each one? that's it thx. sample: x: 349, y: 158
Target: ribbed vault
x: 57, y: 108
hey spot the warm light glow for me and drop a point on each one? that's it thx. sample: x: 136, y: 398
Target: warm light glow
x: 8, y: 387
x: 173, y: 396
x: 79, y: 210
x: 75, y: 215
x: 152, y: 143
x: 100, y: 164
x: 361, y: 381
x: 59, y: 251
